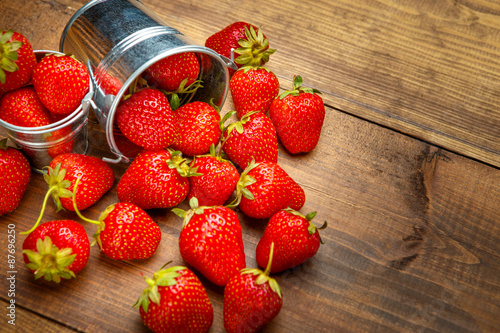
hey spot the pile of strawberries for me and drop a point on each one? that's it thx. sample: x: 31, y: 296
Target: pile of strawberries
x: 185, y: 152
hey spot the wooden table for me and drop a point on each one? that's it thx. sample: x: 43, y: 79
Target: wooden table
x: 406, y: 172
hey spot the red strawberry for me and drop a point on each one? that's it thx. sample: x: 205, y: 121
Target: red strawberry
x: 126, y: 232
x: 96, y: 178
x: 265, y: 188
x: 253, y: 137
x: 147, y: 120
x: 253, y: 89
x: 155, y: 179
x: 109, y: 84
x: 22, y: 107
x: 175, y: 301
x: 211, y: 241
x: 169, y: 72
x: 251, y: 46
x: 216, y: 181
x: 295, y: 239
x: 63, y: 144
x: 298, y: 116
x: 17, y: 61
x: 57, y: 250
x: 251, y: 300
x: 15, y: 174
x: 198, y: 128
x: 61, y: 82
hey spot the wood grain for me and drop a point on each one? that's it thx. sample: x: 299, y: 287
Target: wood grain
x: 412, y: 243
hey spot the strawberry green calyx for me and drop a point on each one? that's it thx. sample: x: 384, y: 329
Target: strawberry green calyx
x: 58, y: 188
x: 49, y: 261
x: 263, y: 277
x: 8, y: 54
x: 309, y: 217
x: 254, y: 49
x: 173, y: 96
x: 187, y: 215
x: 163, y: 278
x: 238, y: 125
x: 241, y: 187
x: 178, y: 162
x: 297, y: 88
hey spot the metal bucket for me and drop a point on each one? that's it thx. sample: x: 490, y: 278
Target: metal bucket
x: 41, y: 144
x: 122, y: 38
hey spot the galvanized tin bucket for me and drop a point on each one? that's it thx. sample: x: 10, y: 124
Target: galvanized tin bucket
x: 41, y: 144
x: 119, y: 39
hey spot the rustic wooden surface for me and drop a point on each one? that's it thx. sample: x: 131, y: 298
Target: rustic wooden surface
x: 406, y: 171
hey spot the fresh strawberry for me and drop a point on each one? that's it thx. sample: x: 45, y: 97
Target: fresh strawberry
x: 22, y: 107
x: 264, y: 188
x: 295, y: 238
x: 61, y: 82
x: 175, y: 301
x: 125, y: 232
x: 169, y: 72
x: 109, y: 84
x: 211, y: 241
x: 251, y: 46
x: 62, y: 142
x: 124, y: 145
x: 17, y: 61
x: 253, y: 89
x: 155, y: 179
x: 15, y: 174
x: 96, y: 178
x: 298, y: 116
x: 216, y: 181
x: 57, y: 250
x: 253, y: 137
x: 251, y: 300
x: 147, y: 120
x: 198, y: 128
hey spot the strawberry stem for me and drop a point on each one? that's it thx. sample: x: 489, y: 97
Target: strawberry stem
x: 44, y: 204
x: 76, y: 208
x: 270, y: 261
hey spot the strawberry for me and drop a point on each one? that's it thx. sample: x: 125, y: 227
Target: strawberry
x: 168, y: 73
x: 17, y: 61
x: 147, y: 120
x: 155, y: 179
x: 22, y: 107
x: 298, y: 116
x: 211, y: 241
x: 253, y: 89
x: 96, y: 178
x: 61, y: 143
x: 264, y: 188
x: 216, y: 181
x: 253, y: 137
x: 125, y: 232
x: 251, y: 300
x: 251, y: 46
x: 198, y: 128
x: 175, y: 301
x: 57, y: 250
x: 295, y: 238
x: 61, y: 82
x: 109, y: 84
x: 15, y: 174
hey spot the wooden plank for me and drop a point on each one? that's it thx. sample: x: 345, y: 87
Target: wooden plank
x: 413, y: 236
x: 22, y: 320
